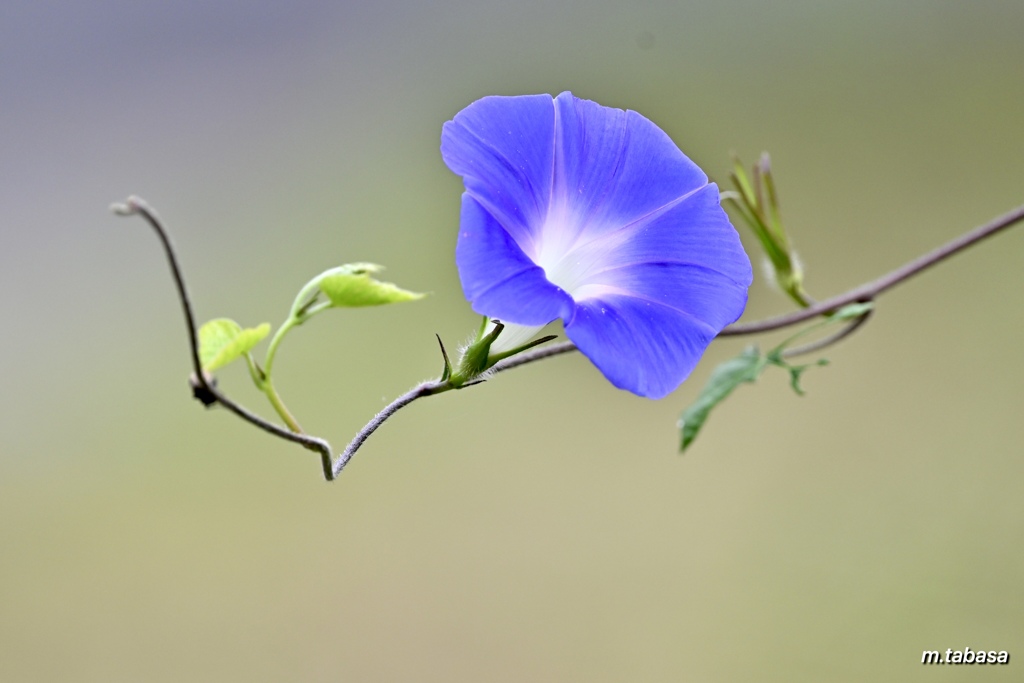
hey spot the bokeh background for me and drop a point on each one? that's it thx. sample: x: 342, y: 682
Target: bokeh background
x: 541, y: 527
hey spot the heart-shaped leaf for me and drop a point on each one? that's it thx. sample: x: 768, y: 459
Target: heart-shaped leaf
x: 223, y: 340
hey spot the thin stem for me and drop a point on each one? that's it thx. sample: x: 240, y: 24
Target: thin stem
x: 267, y: 386
x: 435, y: 387
x: 313, y: 443
x: 268, y: 361
x: 863, y: 293
x: 870, y: 290
x: 537, y: 354
x: 851, y: 327
x: 136, y: 205
x: 419, y: 391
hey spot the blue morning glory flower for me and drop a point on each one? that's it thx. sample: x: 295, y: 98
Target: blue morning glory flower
x: 593, y: 215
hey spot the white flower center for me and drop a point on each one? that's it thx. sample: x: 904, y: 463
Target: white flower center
x: 571, y: 256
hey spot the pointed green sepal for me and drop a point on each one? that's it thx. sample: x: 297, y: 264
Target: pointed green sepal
x: 498, y: 357
x: 446, y: 373
x: 474, y: 359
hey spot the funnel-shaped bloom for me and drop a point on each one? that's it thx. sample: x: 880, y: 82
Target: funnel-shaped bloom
x: 593, y: 215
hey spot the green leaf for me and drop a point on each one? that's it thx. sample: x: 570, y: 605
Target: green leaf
x: 746, y: 367
x: 353, y: 285
x: 223, y: 340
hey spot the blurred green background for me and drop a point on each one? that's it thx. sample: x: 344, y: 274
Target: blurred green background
x: 540, y: 527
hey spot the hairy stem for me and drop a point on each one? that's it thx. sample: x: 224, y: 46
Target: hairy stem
x: 870, y: 290
x: 419, y: 391
x: 851, y: 327
x: 433, y: 388
x: 864, y: 293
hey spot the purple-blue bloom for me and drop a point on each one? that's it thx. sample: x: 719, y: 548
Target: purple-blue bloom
x: 593, y: 215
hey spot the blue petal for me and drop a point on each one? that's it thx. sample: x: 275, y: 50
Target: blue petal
x: 694, y: 231
x: 497, y: 277
x: 642, y: 346
x: 503, y: 149
x: 700, y: 293
x: 593, y: 215
x: 614, y: 167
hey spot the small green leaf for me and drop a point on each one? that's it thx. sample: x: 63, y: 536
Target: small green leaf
x: 223, y: 340
x: 746, y: 367
x: 353, y: 285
